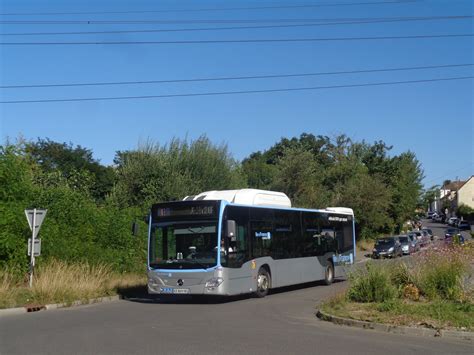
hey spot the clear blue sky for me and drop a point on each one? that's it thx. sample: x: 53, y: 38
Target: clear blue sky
x: 435, y: 120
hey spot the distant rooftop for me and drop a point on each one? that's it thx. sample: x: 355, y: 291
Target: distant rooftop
x: 454, y: 185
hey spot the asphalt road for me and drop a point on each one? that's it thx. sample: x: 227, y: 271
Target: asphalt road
x: 282, y: 323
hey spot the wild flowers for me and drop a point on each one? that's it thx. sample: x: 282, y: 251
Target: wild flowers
x: 434, y: 274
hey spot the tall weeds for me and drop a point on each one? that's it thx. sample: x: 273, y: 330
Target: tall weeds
x: 60, y: 282
x: 371, y: 286
x: 440, y: 274
x: 65, y: 282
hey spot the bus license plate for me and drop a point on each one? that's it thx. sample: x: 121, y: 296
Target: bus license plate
x: 181, y: 291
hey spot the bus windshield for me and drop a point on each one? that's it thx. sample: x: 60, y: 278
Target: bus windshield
x: 183, y: 245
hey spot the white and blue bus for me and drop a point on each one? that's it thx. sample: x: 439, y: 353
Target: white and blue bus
x: 244, y: 241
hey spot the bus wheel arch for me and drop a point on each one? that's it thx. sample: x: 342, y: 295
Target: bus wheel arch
x: 329, y: 273
x: 264, y: 281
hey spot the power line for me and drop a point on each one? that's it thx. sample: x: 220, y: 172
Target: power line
x: 447, y: 174
x: 303, y: 6
x: 197, y: 21
x: 236, y: 92
x: 268, y: 40
x: 235, y: 77
x: 429, y: 18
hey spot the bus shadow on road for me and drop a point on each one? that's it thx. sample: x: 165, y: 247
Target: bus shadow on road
x: 140, y: 294
x: 301, y: 286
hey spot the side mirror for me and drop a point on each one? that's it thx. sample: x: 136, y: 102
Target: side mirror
x: 134, y: 229
x: 231, y: 229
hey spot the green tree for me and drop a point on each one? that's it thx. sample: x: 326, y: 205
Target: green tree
x: 76, y: 227
x: 465, y: 212
x: 370, y: 199
x: 299, y: 175
x: 157, y: 172
x: 429, y: 196
x: 74, y: 164
x: 406, y: 188
x: 259, y: 173
x: 16, y: 191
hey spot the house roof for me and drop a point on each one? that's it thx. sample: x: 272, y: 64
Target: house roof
x: 455, y: 185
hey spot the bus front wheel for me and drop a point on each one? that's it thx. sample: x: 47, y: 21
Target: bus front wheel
x: 329, y: 273
x: 263, y: 283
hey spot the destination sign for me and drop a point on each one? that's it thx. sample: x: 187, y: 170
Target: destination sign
x: 179, y: 211
x: 337, y: 219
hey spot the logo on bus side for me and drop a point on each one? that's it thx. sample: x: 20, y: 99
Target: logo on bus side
x: 343, y: 259
x: 263, y: 235
x: 253, y: 264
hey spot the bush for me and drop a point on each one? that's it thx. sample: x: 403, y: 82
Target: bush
x: 76, y: 228
x: 372, y: 286
x: 435, y: 274
x: 442, y: 273
x: 444, y: 282
x: 401, y: 276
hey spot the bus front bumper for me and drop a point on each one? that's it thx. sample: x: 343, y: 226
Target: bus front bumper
x: 186, y: 284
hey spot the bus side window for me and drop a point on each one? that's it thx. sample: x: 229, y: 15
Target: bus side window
x: 287, y: 232
x: 339, y: 239
x: 238, y: 251
x: 261, y: 232
x: 314, y: 243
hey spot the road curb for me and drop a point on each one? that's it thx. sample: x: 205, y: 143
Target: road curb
x: 395, y: 329
x: 33, y: 309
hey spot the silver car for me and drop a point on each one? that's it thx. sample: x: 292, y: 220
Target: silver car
x: 414, y: 240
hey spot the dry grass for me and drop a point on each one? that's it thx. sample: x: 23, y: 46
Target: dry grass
x: 365, y: 245
x: 60, y: 282
x: 64, y: 282
x: 6, y: 281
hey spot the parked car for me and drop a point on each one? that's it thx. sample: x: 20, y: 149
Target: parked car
x: 464, y: 225
x: 430, y: 232
x: 440, y: 218
x: 388, y: 247
x: 425, y: 238
x: 419, y: 237
x: 408, y: 247
x: 451, y: 233
x: 452, y: 221
x: 414, y: 242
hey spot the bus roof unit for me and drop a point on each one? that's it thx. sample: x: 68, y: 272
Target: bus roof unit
x: 343, y: 210
x: 252, y: 197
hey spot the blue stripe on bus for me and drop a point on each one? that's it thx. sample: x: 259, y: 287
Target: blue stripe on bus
x: 149, y: 239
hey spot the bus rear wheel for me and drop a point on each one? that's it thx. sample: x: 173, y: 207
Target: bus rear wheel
x: 263, y: 283
x: 329, y: 273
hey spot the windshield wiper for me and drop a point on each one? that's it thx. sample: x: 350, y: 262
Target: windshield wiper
x: 195, y: 230
x: 204, y: 266
x: 178, y: 261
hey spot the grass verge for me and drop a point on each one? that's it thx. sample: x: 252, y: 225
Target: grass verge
x: 60, y: 282
x: 433, y: 289
x: 437, y: 314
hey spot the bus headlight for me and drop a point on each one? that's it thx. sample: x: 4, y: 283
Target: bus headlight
x: 214, y: 282
x: 153, y: 282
